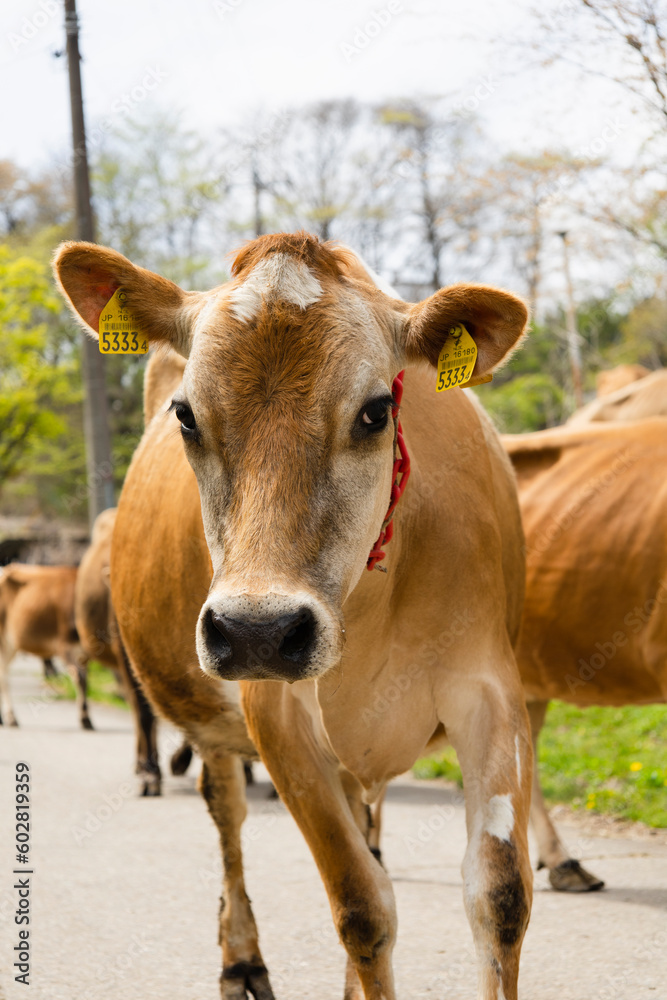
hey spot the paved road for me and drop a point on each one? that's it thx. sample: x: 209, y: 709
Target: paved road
x: 125, y: 890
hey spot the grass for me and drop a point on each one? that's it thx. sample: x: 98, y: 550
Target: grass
x: 102, y: 686
x: 607, y: 760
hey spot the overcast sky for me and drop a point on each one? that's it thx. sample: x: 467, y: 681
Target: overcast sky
x: 217, y: 60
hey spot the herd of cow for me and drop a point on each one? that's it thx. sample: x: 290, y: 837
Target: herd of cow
x: 229, y: 590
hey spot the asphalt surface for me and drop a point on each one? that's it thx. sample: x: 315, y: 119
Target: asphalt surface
x: 125, y: 890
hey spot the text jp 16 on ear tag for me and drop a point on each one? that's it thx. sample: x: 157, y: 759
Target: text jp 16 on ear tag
x: 456, y: 361
x: 119, y: 333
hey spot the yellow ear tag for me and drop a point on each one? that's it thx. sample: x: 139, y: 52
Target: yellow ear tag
x: 118, y: 331
x: 456, y: 359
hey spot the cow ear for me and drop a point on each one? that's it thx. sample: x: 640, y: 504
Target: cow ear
x: 88, y: 275
x: 495, y: 320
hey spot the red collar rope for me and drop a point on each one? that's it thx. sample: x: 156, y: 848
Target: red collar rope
x: 402, y: 469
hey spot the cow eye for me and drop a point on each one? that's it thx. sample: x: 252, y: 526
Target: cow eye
x: 375, y: 414
x: 186, y: 417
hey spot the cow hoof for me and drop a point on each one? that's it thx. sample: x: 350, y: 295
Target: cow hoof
x: 9, y: 721
x: 247, y: 771
x: 180, y: 759
x: 244, y: 980
x: 570, y: 876
x: 150, y: 786
x: 86, y: 723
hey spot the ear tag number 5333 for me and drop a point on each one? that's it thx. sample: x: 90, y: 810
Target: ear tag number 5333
x: 119, y: 333
x: 456, y: 360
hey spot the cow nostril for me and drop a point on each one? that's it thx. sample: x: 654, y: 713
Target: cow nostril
x: 298, y: 636
x: 216, y: 636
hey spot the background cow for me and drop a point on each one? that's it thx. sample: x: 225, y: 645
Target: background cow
x: 594, y: 505
x: 37, y: 616
x: 100, y: 638
x: 286, y: 413
x: 641, y: 398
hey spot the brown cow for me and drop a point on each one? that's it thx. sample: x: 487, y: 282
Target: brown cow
x: 285, y: 412
x: 610, y: 381
x: 37, y: 616
x: 646, y: 397
x: 594, y: 505
x: 100, y: 639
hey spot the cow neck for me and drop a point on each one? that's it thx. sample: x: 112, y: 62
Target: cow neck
x: 401, y: 474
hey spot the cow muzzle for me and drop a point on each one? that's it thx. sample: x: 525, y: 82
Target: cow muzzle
x: 273, y: 637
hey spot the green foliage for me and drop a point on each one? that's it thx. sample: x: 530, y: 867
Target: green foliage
x: 527, y: 402
x: 102, y: 686
x: 610, y: 760
x: 39, y: 370
x: 533, y: 390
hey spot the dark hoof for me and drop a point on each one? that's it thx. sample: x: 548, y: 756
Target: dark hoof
x: 570, y: 876
x: 244, y: 980
x: 150, y: 786
x: 180, y: 759
x: 50, y: 669
x: 377, y: 854
x: 247, y: 770
x: 86, y: 723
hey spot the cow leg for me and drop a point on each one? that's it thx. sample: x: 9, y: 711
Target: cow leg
x: 77, y: 667
x: 309, y: 783
x: 488, y: 727
x: 565, y: 874
x: 145, y: 727
x: 375, y: 832
x: 181, y: 758
x: 7, y: 716
x: 365, y: 820
x: 50, y: 669
x: 222, y: 784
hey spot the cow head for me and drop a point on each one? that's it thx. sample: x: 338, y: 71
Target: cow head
x: 285, y: 414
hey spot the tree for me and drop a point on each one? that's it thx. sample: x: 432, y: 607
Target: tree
x: 157, y: 197
x: 522, y: 195
x: 39, y: 374
x: 439, y: 201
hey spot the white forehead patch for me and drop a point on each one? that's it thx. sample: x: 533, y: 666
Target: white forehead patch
x: 280, y: 276
x: 500, y: 817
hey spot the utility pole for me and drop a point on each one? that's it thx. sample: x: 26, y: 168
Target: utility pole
x: 257, y: 188
x: 95, y: 410
x: 573, y: 349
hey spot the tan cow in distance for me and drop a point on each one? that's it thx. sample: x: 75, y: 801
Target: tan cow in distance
x: 37, y: 616
x: 645, y: 397
x: 613, y: 379
x: 594, y: 632
x: 285, y: 415
x: 100, y: 638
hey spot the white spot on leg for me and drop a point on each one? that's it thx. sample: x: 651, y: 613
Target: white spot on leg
x: 518, y: 758
x: 280, y: 276
x: 500, y: 817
